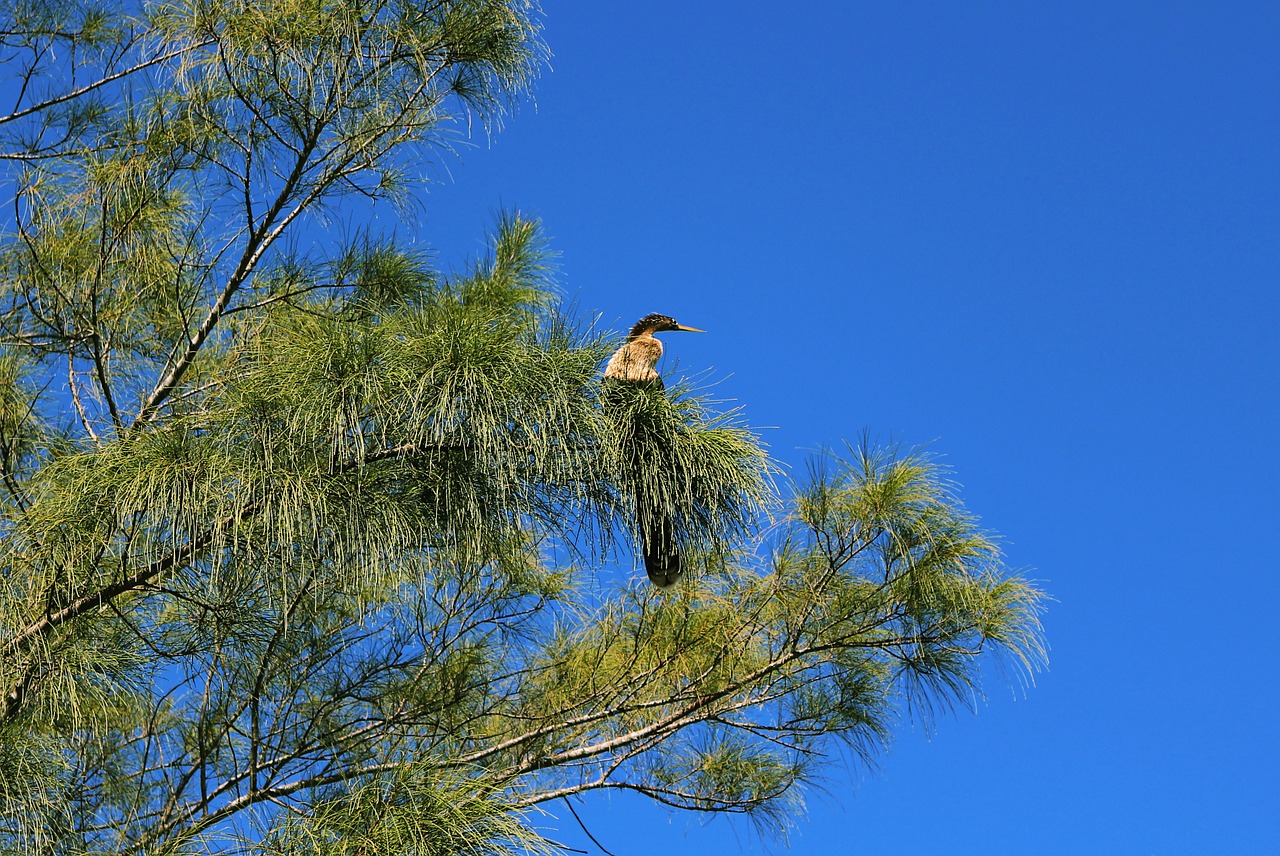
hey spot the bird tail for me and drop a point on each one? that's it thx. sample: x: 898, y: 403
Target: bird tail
x: 661, y: 557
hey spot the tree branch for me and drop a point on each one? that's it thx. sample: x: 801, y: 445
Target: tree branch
x: 260, y: 240
x: 98, y: 84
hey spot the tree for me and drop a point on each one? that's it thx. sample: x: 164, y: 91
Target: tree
x: 299, y: 534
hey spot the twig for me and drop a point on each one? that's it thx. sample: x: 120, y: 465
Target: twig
x: 603, y: 849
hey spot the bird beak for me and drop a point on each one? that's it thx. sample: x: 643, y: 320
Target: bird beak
x: 689, y: 329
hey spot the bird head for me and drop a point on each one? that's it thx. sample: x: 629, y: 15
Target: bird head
x: 656, y: 323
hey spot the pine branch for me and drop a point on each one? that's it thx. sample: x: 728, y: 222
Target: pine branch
x: 261, y: 239
x: 23, y: 639
x: 98, y: 84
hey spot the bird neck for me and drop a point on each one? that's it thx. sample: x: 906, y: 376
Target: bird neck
x: 648, y: 345
x: 636, y: 359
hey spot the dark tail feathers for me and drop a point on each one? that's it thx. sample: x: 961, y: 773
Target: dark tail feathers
x: 661, y: 557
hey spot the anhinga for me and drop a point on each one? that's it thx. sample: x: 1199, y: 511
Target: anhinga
x: 635, y: 363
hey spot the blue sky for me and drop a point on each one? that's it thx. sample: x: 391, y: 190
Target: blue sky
x: 1043, y: 239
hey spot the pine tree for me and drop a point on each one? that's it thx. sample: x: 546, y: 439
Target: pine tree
x: 300, y: 535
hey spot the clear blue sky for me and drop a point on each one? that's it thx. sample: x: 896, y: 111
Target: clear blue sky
x: 1043, y: 239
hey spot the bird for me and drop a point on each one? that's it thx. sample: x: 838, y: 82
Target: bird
x: 634, y: 364
x: 636, y: 360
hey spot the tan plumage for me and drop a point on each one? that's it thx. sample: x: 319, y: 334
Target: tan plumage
x: 636, y: 363
x: 636, y: 360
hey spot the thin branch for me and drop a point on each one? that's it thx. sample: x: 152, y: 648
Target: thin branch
x: 276, y: 298
x: 260, y: 240
x: 594, y: 840
x: 97, y: 84
x: 102, y: 596
x: 75, y: 397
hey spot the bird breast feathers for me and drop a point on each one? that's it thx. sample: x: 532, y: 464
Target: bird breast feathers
x: 635, y: 360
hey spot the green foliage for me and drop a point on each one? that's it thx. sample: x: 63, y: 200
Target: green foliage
x: 675, y: 455
x: 412, y: 810
x: 301, y: 541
